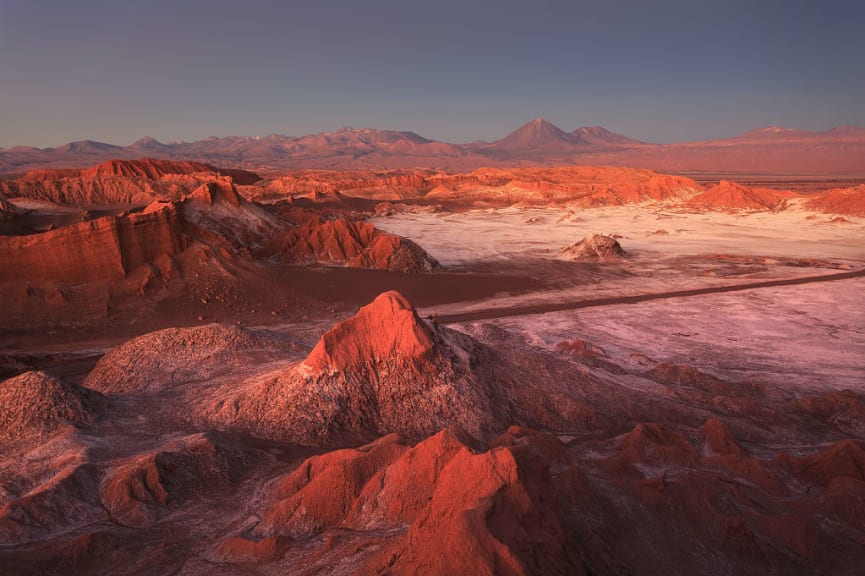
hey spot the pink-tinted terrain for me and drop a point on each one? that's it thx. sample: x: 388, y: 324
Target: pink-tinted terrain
x: 518, y: 357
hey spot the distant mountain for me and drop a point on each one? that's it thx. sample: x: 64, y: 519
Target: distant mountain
x: 150, y: 145
x: 88, y: 147
x: 768, y: 150
x: 543, y: 141
x: 600, y: 136
x: 774, y: 132
x: 779, y: 134
x: 537, y: 135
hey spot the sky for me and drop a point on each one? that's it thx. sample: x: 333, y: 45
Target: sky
x: 450, y: 70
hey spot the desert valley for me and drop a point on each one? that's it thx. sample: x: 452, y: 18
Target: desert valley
x: 366, y: 352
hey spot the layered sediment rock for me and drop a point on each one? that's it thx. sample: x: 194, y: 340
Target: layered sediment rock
x: 348, y: 243
x: 104, y: 250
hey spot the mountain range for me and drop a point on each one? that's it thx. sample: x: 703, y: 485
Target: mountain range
x: 770, y: 150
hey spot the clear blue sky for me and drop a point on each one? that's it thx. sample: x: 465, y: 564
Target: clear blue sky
x: 453, y: 70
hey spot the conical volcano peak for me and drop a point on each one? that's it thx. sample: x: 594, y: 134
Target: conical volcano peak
x: 537, y: 134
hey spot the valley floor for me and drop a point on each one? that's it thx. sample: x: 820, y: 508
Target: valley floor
x: 731, y: 419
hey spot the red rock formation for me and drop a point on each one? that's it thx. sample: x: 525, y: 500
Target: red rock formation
x: 348, y: 243
x: 719, y: 440
x: 449, y: 496
x: 36, y: 405
x: 727, y: 195
x: 147, y: 168
x: 386, y: 371
x: 387, y: 328
x: 843, y: 459
x: 656, y: 445
x: 64, y: 498
x: 849, y: 201
x: 126, y: 182
x: 382, y: 371
x: 323, y: 492
x: 724, y: 452
x: 100, y: 250
x: 842, y: 408
x: 96, y: 191
x: 219, y: 190
x: 582, y: 185
x: 680, y: 375
x: 589, y: 354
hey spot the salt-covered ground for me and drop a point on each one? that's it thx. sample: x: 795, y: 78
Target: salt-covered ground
x: 458, y: 238
x: 810, y: 335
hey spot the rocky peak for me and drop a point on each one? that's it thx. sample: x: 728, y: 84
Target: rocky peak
x: 387, y: 328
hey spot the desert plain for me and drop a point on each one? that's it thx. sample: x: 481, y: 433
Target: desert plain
x: 518, y: 368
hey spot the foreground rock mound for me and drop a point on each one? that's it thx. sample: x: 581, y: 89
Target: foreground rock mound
x: 382, y: 371
x: 162, y: 359
x: 36, y: 405
x: 594, y: 248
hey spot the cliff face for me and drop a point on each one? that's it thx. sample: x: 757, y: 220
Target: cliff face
x: 104, y: 249
x: 348, y: 243
x: 77, y: 248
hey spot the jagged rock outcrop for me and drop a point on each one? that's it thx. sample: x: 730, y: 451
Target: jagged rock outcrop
x: 36, y: 405
x: 446, y: 489
x: 348, y: 243
x: 593, y: 248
